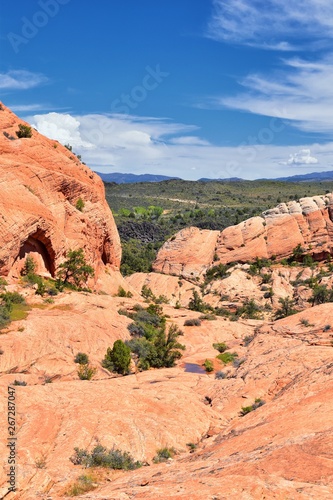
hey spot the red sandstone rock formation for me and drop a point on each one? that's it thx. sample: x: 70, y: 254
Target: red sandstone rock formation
x: 41, y: 182
x: 276, y: 233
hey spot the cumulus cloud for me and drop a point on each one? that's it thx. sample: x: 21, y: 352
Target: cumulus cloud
x: 134, y: 144
x: 21, y: 80
x: 302, y: 157
x: 273, y: 24
x: 62, y: 127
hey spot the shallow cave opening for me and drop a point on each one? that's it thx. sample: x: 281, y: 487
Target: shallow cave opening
x: 106, y: 252
x: 39, y: 244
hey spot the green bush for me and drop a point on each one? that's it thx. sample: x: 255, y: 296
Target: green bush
x: 164, y: 454
x: 102, y: 457
x: 81, y: 358
x: 220, y: 346
x: 118, y: 359
x: 29, y: 266
x: 86, y: 372
x: 3, y: 283
x: 75, y: 269
x: 227, y: 357
x: 24, y: 131
x: 286, y: 309
x: 83, y: 484
x: 209, y: 367
x: 122, y: 293
x: 196, y: 303
x: 247, y: 409
x: 79, y: 205
x: 154, y: 345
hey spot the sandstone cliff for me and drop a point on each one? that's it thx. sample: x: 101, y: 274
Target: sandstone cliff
x: 41, y: 182
x: 275, y: 234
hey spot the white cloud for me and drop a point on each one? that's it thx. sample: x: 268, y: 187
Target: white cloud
x: 190, y: 140
x: 301, y: 92
x: 302, y: 157
x: 125, y: 143
x: 61, y: 127
x: 273, y: 24
x: 21, y: 80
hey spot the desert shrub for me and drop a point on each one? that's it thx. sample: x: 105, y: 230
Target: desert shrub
x: 250, y: 309
x: 248, y: 339
x: 208, y: 317
x: 247, y: 409
x: 29, y: 266
x: 24, y: 131
x: 163, y: 455
x: 74, y: 270
x: 12, y: 298
x: 266, y: 278
x: 220, y: 346
x: 4, y: 316
x: 81, y: 358
x: 83, y: 484
x: 3, y: 283
x: 286, y: 309
x: 19, y: 382
x: 137, y: 256
x: 326, y: 328
x: 216, y: 272
x: 192, y: 322
x: 146, y: 292
x: 79, y: 205
x: 123, y: 312
x: 321, y: 294
x: 118, y: 359
x: 86, y: 372
x: 219, y: 375
x: 196, y: 303
x: 209, y: 367
x: 227, y: 357
x: 238, y: 362
x: 154, y: 344
x: 102, y: 457
x: 122, y: 293
x: 161, y: 299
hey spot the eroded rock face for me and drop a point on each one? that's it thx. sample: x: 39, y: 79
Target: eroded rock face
x: 276, y: 233
x: 41, y: 182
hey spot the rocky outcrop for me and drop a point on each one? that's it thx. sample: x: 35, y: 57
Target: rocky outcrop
x: 189, y: 253
x: 273, y: 235
x: 41, y: 182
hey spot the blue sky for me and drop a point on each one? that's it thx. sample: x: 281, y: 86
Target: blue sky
x: 193, y: 88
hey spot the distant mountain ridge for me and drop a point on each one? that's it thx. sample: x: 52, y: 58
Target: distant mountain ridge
x: 131, y: 178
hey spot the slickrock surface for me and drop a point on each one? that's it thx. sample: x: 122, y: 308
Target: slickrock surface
x: 41, y: 182
x: 281, y: 450
x: 189, y: 253
x: 177, y: 291
x: 276, y: 233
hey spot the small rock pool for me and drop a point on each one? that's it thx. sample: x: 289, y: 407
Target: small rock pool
x: 194, y: 368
